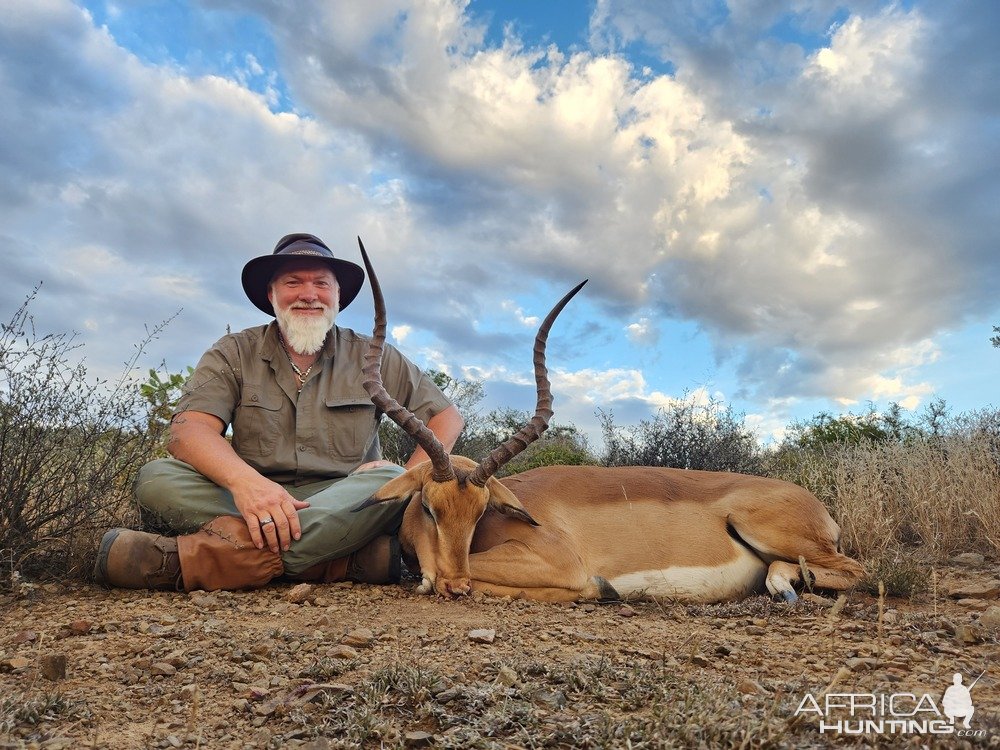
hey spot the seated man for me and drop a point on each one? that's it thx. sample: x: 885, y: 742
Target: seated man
x: 279, y: 498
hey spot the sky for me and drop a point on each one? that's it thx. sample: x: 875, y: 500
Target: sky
x: 787, y: 206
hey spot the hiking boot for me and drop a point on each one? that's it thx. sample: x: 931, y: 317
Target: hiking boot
x: 379, y: 561
x: 130, y: 559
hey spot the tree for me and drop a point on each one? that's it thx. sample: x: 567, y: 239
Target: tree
x: 995, y: 340
x: 845, y: 429
x: 872, y: 427
x: 559, y: 444
x: 464, y: 394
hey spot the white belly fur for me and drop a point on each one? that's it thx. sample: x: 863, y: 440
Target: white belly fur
x: 735, y: 579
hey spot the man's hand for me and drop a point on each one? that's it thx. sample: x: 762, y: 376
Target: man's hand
x: 270, y: 513
x: 268, y: 510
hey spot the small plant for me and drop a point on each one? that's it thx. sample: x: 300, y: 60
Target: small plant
x: 901, y: 574
x: 327, y: 668
x: 19, y: 711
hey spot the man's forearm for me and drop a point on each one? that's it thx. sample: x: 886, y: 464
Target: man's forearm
x: 211, y: 455
x: 446, y: 426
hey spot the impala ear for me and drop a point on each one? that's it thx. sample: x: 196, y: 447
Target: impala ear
x: 504, y: 501
x: 402, y: 487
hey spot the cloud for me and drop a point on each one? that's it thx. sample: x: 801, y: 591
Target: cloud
x: 400, y: 333
x: 141, y: 190
x: 820, y: 214
x: 530, y: 321
x: 643, y: 332
x: 832, y: 237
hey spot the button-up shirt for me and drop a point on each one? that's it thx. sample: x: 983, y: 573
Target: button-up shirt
x: 322, y: 432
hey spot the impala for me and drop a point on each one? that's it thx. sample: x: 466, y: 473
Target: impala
x: 562, y: 533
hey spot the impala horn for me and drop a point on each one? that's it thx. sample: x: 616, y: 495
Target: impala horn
x: 407, y: 420
x: 543, y: 409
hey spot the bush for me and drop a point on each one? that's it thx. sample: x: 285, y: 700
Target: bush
x: 69, y: 451
x: 686, y: 435
x: 161, y: 395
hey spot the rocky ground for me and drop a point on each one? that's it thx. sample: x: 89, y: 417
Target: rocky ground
x: 365, y: 666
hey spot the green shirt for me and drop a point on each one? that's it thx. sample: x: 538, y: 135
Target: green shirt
x: 325, y: 431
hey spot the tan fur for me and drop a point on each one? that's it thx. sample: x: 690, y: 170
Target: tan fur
x: 667, y: 528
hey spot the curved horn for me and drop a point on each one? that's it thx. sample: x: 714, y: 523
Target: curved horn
x: 372, y: 383
x: 543, y: 409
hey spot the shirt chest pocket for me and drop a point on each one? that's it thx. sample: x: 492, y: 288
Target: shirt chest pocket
x: 257, y: 422
x: 349, y: 424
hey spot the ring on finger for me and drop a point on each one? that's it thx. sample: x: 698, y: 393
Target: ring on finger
x: 266, y: 521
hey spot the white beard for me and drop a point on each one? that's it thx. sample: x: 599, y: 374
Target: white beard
x: 305, y: 334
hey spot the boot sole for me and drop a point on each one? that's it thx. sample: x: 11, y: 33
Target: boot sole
x: 101, y: 565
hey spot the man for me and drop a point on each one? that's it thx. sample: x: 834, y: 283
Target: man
x: 957, y: 701
x: 280, y: 498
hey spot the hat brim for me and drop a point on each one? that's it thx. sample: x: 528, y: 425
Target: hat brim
x: 258, y: 272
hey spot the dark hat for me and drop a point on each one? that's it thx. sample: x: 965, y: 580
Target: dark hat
x: 258, y: 272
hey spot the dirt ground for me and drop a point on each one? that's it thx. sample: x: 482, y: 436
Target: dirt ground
x: 368, y: 666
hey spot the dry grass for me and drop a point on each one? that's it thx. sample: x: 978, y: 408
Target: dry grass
x: 940, y: 495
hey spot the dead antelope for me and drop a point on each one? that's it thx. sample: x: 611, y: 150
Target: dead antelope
x: 563, y: 533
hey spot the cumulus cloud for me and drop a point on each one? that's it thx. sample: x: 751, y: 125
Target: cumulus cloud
x: 643, y: 332
x: 531, y: 321
x: 832, y: 238
x: 781, y: 233
x: 401, y: 333
x: 820, y: 213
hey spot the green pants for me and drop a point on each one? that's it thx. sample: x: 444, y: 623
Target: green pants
x: 185, y: 500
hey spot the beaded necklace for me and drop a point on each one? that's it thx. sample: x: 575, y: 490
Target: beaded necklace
x: 300, y: 375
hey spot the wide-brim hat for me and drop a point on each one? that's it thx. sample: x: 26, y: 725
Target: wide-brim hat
x: 258, y: 272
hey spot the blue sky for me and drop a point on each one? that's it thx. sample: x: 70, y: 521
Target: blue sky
x: 788, y: 206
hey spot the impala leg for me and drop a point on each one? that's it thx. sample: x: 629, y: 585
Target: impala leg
x: 513, y: 569
x: 782, y: 575
x: 776, y: 533
x: 538, y: 594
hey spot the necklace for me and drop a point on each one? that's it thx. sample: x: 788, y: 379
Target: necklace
x: 300, y: 374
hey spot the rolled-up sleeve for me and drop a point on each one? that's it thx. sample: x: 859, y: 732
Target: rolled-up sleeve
x: 213, y: 388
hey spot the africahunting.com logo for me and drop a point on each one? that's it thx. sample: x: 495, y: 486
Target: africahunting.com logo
x: 895, y: 713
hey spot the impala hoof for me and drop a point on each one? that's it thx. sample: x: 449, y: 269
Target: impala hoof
x: 790, y: 596
x: 605, y: 591
x: 455, y: 587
